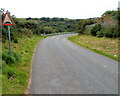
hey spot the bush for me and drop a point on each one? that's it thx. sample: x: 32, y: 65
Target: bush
x: 115, y: 32
x: 94, y: 30
x: 16, y: 55
x: 108, y: 32
x: 12, y: 58
x: 48, y: 30
x: 82, y: 25
x: 14, y: 38
x: 8, y: 58
x: 25, y: 32
x: 100, y: 33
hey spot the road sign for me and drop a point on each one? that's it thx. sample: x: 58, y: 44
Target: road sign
x: 7, y: 20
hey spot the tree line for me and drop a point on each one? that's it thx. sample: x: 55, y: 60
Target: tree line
x: 37, y: 26
x: 105, y: 26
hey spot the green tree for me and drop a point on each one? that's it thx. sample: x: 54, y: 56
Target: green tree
x: 95, y: 29
x: 83, y: 23
x: 48, y: 30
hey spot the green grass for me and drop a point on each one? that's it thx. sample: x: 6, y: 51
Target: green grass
x: 105, y: 46
x: 18, y: 82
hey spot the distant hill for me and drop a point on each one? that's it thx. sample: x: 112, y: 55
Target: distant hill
x: 104, y: 26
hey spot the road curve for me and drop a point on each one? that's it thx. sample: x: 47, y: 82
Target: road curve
x: 62, y: 67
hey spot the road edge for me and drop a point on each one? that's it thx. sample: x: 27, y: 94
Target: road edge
x: 30, y: 73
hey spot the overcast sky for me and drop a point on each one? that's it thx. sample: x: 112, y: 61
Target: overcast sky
x: 73, y: 9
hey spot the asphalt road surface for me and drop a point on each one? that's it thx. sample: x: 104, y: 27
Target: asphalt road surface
x: 62, y: 67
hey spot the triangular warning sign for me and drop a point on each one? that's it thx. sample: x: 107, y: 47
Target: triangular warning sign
x: 7, y: 20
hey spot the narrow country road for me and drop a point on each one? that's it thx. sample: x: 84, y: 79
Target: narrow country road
x: 62, y: 67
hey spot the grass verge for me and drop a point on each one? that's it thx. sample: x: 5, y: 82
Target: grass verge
x: 19, y: 72
x: 105, y: 46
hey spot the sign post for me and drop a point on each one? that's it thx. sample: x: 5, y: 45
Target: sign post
x: 8, y: 21
x: 9, y: 39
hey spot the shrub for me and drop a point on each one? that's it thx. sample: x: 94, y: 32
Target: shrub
x: 25, y: 32
x: 82, y: 25
x: 108, y: 32
x: 99, y: 33
x: 12, y: 58
x: 8, y: 58
x: 14, y: 38
x: 115, y: 32
x: 16, y: 55
x: 48, y: 30
x: 96, y: 28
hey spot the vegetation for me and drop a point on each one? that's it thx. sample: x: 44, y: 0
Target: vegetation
x: 12, y: 58
x: 112, y: 13
x: 104, y: 46
x: 16, y: 67
x: 29, y: 26
x: 27, y: 32
x: 106, y: 26
x: 57, y: 24
x: 95, y: 29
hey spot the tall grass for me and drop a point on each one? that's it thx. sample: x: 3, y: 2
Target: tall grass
x: 15, y: 76
x: 104, y: 46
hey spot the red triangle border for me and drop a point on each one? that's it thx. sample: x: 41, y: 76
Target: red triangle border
x: 9, y: 18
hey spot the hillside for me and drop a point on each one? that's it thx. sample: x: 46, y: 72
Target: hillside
x: 104, y: 26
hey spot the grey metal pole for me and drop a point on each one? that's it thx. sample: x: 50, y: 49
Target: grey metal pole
x: 9, y: 39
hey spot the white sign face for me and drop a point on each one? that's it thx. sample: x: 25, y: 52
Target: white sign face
x: 7, y: 20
